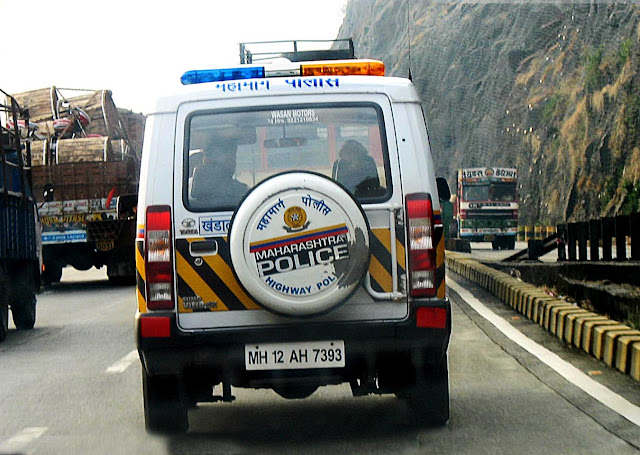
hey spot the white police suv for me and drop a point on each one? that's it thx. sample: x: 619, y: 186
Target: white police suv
x: 289, y: 237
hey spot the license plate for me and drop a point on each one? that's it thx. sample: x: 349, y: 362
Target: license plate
x: 293, y: 356
x: 105, y: 245
x: 489, y: 237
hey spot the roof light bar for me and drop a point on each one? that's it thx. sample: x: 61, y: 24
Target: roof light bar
x: 320, y: 68
x: 343, y: 68
x: 224, y: 74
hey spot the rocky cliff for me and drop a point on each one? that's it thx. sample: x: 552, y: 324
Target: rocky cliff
x: 551, y: 88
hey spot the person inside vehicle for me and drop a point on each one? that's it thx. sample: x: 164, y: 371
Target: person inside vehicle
x: 213, y: 184
x: 356, y: 170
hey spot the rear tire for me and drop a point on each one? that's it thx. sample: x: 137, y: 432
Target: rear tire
x: 428, y: 398
x: 23, y: 310
x: 165, y: 410
x: 22, y: 299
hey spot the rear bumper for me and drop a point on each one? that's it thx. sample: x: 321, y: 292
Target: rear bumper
x: 222, y: 353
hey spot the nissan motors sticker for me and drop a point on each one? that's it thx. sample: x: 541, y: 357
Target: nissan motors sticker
x: 305, y: 247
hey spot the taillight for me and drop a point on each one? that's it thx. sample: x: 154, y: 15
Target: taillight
x: 159, y: 258
x: 422, y: 253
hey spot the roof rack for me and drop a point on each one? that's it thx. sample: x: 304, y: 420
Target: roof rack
x: 297, y: 50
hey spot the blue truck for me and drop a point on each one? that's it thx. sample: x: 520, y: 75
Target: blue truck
x: 19, y: 227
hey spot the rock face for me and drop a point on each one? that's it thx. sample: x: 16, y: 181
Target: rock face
x: 550, y: 88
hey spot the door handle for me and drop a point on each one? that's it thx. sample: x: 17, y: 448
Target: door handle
x: 206, y: 247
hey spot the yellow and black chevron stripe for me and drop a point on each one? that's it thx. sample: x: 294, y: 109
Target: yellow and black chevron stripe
x: 209, y: 278
x: 381, y: 261
x: 212, y: 280
x: 141, y: 291
x: 438, y: 239
x: 380, y: 266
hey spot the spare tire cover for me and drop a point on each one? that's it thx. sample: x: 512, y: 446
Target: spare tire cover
x: 299, y: 244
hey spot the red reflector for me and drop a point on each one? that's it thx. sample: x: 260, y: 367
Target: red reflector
x: 419, y: 206
x: 434, y: 318
x: 158, y: 218
x: 155, y: 327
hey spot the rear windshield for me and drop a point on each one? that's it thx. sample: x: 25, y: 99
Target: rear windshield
x: 230, y: 152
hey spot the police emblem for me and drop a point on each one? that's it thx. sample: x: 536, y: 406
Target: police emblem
x: 295, y: 218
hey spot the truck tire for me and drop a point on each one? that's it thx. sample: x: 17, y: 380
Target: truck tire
x: 23, y: 309
x: 428, y: 398
x: 22, y: 299
x: 165, y: 410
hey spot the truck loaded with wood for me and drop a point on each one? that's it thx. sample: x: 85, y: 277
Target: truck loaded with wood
x: 86, y: 155
x: 19, y: 238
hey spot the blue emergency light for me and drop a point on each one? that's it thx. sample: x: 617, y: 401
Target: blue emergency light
x: 224, y: 74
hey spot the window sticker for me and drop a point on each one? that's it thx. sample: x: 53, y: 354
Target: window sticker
x: 289, y: 116
x: 214, y: 225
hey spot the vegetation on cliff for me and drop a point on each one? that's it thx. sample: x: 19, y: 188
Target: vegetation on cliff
x: 550, y: 88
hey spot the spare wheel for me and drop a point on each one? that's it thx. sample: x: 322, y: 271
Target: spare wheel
x: 299, y: 244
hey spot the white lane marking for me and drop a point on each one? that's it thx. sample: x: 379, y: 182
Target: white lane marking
x: 22, y: 439
x: 604, y: 395
x: 121, y: 365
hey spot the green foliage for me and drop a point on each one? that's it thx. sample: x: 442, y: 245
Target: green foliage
x: 631, y: 113
x: 548, y: 112
x: 624, y: 52
x: 592, y: 73
x: 610, y: 188
x: 631, y: 202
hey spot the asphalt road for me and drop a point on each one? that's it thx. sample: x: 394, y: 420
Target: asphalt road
x: 73, y: 386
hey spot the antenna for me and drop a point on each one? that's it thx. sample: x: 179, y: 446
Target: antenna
x: 409, y: 39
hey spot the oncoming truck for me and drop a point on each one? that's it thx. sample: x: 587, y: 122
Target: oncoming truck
x: 486, y: 208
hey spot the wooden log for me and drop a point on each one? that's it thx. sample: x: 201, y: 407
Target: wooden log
x: 134, y: 124
x: 41, y: 103
x: 120, y: 149
x: 102, y: 111
x: 88, y: 149
x: 39, y: 153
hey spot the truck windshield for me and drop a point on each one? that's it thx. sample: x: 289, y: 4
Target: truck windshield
x: 476, y: 193
x: 503, y: 191
x: 229, y: 152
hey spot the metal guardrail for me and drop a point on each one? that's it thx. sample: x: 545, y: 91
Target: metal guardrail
x: 538, y: 232
x: 583, y: 241
x: 605, y: 239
